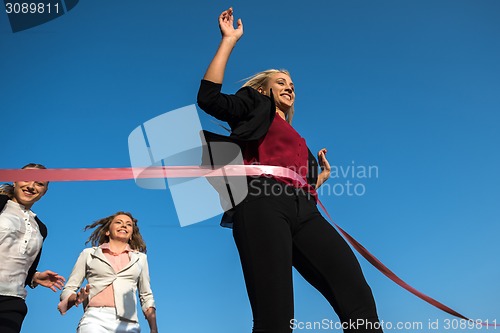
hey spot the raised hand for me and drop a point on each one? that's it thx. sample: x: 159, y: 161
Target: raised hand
x: 230, y: 36
x: 226, y: 25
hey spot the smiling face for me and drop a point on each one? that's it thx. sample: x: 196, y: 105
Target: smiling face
x: 280, y: 82
x: 283, y: 90
x: 121, y: 228
x: 27, y: 193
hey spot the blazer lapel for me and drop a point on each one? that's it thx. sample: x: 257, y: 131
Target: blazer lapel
x: 134, y: 257
x: 99, y: 255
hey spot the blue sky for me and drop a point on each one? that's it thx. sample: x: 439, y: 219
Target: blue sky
x: 410, y: 88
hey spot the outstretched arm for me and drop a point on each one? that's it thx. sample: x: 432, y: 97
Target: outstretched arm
x: 230, y: 36
x: 49, y: 280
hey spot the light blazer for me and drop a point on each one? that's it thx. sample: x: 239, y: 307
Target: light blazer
x: 93, y: 266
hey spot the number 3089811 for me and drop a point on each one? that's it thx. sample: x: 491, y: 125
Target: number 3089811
x: 31, y: 8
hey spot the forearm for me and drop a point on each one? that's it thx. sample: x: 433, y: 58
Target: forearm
x: 325, y: 168
x: 33, y: 284
x: 75, y: 280
x: 323, y: 177
x: 319, y: 182
x: 66, y: 303
x: 71, y: 301
x: 151, y: 318
x: 217, y: 67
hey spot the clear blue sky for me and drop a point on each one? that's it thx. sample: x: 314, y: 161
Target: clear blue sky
x: 411, y: 88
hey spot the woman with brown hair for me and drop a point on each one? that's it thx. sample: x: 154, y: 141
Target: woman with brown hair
x: 116, y: 267
x: 21, y: 238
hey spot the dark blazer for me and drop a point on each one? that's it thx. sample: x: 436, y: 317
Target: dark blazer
x: 249, y: 114
x: 43, y: 231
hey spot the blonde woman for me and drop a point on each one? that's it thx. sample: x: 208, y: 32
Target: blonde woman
x: 21, y: 237
x: 115, y: 268
x: 278, y: 225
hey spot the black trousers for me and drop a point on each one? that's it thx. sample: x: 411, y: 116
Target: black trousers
x: 12, y: 313
x: 282, y: 228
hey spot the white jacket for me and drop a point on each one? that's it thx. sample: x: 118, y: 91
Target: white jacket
x: 93, y: 266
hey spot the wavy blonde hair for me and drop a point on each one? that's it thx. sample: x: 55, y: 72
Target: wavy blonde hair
x: 8, y: 189
x: 261, y: 79
x: 99, y: 237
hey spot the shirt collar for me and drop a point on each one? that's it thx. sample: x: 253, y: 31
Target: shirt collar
x: 17, y: 205
x: 105, y: 246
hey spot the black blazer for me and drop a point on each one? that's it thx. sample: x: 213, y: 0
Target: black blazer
x: 43, y: 231
x: 249, y: 114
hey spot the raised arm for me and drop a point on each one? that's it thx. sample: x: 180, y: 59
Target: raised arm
x: 224, y: 107
x: 230, y: 37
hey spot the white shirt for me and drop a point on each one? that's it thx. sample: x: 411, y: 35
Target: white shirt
x: 20, y: 242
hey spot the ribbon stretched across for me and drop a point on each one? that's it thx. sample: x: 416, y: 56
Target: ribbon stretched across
x: 88, y: 174
x: 195, y: 172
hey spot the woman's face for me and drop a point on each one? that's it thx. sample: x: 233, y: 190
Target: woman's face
x: 283, y: 91
x: 121, y: 228
x: 28, y: 192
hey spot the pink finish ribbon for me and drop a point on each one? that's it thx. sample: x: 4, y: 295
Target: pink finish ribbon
x: 89, y: 174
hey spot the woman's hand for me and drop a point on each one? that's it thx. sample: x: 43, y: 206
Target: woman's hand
x: 226, y: 25
x: 49, y: 279
x: 230, y: 35
x: 82, y: 295
x: 325, y: 168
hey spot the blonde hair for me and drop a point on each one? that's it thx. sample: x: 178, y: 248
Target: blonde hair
x: 260, y: 80
x: 99, y: 236
x: 8, y: 189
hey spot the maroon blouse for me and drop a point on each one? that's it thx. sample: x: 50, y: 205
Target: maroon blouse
x: 281, y: 146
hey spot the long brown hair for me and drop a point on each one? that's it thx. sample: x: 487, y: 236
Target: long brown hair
x: 8, y: 189
x: 99, y: 237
